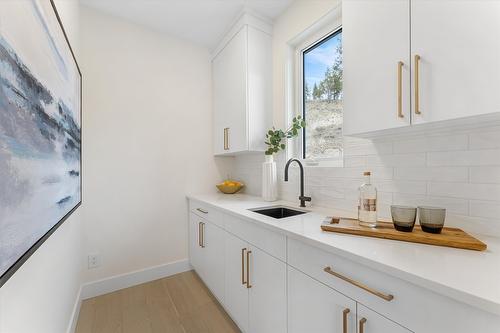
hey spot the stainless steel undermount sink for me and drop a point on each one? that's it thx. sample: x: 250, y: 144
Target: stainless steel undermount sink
x: 278, y: 212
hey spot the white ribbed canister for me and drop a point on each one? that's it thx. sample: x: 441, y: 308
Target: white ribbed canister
x: 269, y: 179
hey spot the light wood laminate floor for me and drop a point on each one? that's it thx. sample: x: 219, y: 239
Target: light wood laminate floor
x: 179, y: 303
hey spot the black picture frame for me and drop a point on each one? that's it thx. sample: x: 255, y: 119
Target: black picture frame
x: 10, y: 272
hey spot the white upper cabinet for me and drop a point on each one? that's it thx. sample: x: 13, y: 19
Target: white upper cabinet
x: 242, y: 88
x: 450, y: 63
x: 458, y: 42
x: 375, y: 38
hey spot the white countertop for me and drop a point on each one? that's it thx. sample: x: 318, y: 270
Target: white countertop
x: 468, y: 276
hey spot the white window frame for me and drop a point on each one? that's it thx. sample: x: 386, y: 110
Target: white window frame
x: 322, y: 29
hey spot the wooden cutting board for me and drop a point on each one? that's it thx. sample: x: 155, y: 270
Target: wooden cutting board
x: 449, y: 237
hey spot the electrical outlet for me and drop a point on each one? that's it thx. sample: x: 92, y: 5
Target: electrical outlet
x: 94, y: 260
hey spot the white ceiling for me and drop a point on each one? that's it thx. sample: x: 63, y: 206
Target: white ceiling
x: 201, y: 21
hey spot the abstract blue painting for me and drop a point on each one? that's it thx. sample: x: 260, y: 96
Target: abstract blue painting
x: 40, y: 129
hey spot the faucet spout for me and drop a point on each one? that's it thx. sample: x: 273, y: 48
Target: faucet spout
x: 302, y: 198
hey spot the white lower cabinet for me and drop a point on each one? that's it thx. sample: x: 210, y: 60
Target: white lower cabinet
x: 267, y: 294
x: 195, y: 249
x: 314, y: 291
x: 316, y: 308
x: 255, y: 288
x: 236, y: 298
x: 213, y: 244
x: 371, y: 322
x: 206, y: 247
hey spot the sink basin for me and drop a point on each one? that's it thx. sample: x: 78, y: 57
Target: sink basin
x: 278, y: 212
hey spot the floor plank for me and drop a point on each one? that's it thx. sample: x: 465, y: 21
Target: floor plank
x: 177, y: 304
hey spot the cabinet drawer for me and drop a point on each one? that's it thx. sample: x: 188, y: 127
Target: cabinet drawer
x: 207, y: 212
x: 413, y: 307
x: 265, y: 239
x: 314, y: 261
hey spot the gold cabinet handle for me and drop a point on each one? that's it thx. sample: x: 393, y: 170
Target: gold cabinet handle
x: 199, y: 234
x: 400, y: 89
x: 345, y: 313
x: 248, y: 270
x: 243, y: 265
x: 226, y: 138
x: 388, y: 298
x: 362, y: 323
x: 417, y: 83
x: 202, y: 210
x: 202, y: 234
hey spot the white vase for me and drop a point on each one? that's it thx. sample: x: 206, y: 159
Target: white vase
x: 269, y: 179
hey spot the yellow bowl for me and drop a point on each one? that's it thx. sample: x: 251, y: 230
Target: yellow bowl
x: 229, y: 189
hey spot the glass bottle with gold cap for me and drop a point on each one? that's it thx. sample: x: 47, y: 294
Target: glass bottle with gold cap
x: 367, y: 207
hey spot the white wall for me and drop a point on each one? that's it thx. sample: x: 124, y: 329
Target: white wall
x: 458, y: 170
x: 41, y: 295
x: 147, y: 142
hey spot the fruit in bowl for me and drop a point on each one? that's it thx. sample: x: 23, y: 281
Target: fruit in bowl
x: 230, y: 186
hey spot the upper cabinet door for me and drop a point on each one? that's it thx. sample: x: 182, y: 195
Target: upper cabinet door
x: 458, y: 42
x: 230, y: 95
x: 376, y: 49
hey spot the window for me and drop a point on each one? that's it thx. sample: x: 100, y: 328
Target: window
x: 322, y: 99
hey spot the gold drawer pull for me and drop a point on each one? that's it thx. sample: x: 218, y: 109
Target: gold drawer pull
x: 417, y: 84
x: 199, y: 234
x: 202, y: 234
x: 202, y: 210
x: 226, y: 138
x: 243, y: 265
x: 345, y: 313
x: 388, y: 298
x: 248, y: 270
x: 362, y: 323
x: 400, y: 89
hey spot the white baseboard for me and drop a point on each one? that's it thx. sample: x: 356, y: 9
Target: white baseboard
x: 117, y: 282
x: 75, y: 312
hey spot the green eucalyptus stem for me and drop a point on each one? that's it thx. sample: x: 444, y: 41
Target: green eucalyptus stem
x: 276, y: 138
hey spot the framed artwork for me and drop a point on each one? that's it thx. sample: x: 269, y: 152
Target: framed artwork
x: 40, y: 129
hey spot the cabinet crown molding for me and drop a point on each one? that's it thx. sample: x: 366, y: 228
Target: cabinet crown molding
x: 245, y: 18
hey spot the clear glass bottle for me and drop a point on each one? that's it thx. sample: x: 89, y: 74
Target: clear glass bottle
x: 367, y: 207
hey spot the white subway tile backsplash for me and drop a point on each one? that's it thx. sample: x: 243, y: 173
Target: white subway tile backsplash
x: 398, y: 160
x: 325, y: 182
x: 459, y: 158
x: 458, y: 171
x: 452, y: 205
x: 444, y: 174
x: 428, y: 144
x: 368, y: 148
x: 485, y: 139
x: 487, y: 174
x: 393, y: 186
x: 465, y: 190
x: 486, y: 209
x: 357, y: 172
x: 354, y: 161
x: 325, y: 193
